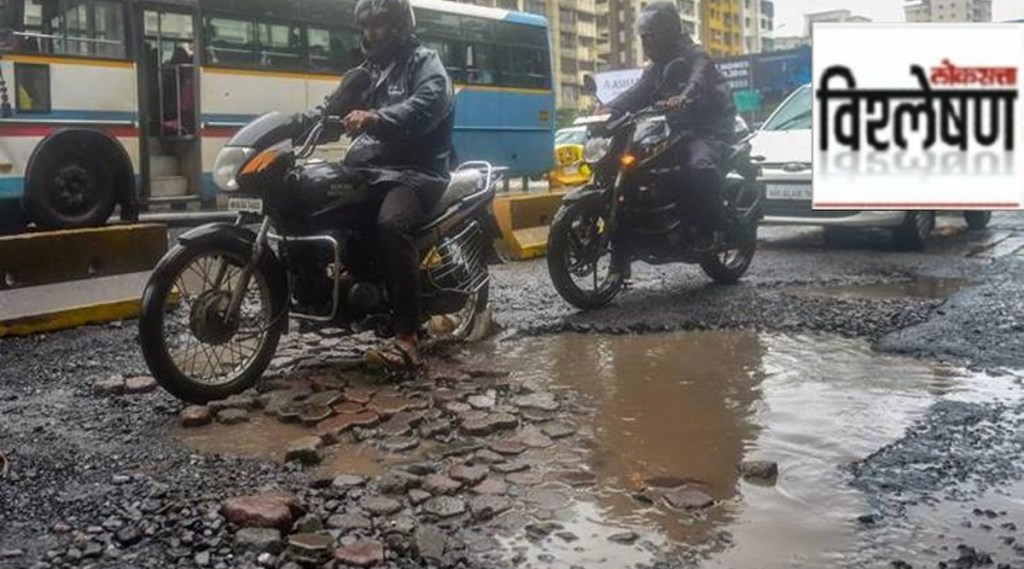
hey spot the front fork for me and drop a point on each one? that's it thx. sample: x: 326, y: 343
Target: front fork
x: 616, y: 196
x: 243, y: 280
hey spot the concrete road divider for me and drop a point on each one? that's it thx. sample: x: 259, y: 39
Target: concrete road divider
x: 524, y: 219
x: 45, y: 257
x: 56, y: 280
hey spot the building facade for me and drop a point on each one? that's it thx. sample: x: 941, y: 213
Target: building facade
x: 576, y: 48
x: 722, y: 27
x: 948, y: 10
x: 589, y: 36
x: 830, y: 16
x: 783, y: 43
x: 751, y: 18
x: 767, y: 25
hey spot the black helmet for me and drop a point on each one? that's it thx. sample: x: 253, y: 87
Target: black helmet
x: 660, y: 28
x: 396, y: 12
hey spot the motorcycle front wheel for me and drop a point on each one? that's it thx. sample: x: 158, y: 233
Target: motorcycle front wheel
x: 192, y: 347
x: 579, y: 258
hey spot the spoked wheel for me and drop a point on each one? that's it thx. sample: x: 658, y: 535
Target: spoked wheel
x: 195, y: 349
x: 580, y: 257
x: 729, y: 266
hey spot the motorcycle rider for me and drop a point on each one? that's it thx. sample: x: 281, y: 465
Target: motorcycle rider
x: 699, y: 103
x: 402, y: 144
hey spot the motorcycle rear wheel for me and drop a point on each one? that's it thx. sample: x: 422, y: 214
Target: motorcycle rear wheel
x: 191, y: 349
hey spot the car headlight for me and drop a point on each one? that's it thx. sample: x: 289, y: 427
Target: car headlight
x: 595, y: 149
x: 225, y: 169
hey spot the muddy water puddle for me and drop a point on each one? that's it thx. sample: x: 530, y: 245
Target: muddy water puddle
x: 689, y: 408
x: 930, y: 288
x: 267, y: 438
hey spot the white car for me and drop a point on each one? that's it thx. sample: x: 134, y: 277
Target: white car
x: 782, y: 147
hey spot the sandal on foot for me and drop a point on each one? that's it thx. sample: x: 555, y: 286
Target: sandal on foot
x: 395, y: 354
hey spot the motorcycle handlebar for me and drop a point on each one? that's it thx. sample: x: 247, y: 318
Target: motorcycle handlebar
x: 615, y: 124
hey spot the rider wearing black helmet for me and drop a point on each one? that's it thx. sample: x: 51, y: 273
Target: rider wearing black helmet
x: 702, y: 105
x: 403, y: 143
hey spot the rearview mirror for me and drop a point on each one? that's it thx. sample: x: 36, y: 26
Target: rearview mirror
x: 589, y: 85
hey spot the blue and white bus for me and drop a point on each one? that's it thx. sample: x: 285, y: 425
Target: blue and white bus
x: 127, y: 102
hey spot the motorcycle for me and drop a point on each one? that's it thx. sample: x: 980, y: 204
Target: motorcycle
x: 631, y: 205
x: 217, y: 304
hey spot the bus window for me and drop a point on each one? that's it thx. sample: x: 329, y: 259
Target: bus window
x: 231, y: 42
x: 281, y: 46
x: 7, y: 22
x: 170, y: 30
x: 332, y: 50
x: 32, y: 83
x: 73, y: 27
x: 526, y: 67
x: 480, y: 64
x: 452, y: 55
x: 438, y: 24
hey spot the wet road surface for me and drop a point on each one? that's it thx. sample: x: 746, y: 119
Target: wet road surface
x: 883, y: 384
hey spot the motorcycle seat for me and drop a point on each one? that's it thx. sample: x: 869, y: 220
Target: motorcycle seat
x: 463, y: 183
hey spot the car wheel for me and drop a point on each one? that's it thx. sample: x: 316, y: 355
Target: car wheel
x: 977, y: 220
x: 916, y: 227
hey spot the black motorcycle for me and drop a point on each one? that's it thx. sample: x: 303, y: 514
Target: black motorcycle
x: 217, y: 304
x: 632, y: 206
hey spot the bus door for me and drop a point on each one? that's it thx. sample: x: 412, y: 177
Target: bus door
x: 169, y: 106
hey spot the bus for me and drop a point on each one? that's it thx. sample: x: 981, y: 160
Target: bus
x: 125, y: 103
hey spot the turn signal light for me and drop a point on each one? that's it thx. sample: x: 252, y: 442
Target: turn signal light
x: 628, y: 160
x: 260, y: 162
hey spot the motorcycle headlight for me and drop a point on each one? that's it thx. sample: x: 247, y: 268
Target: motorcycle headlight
x: 225, y: 169
x: 595, y: 149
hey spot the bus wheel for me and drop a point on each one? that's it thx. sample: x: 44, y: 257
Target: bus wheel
x: 70, y: 185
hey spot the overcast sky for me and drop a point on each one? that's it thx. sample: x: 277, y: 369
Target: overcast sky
x: 791, y: 12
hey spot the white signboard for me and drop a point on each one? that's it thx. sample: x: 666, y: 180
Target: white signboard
x: 611, y: 84
x: 917, y: 116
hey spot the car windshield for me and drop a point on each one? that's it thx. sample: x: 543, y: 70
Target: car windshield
x: 794, y: 114
x: 571, y: 137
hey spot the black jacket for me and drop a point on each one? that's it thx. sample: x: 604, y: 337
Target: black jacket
x: 412, y: 140
x: 712, y: 111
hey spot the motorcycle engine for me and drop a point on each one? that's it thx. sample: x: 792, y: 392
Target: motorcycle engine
x: 362, y: 298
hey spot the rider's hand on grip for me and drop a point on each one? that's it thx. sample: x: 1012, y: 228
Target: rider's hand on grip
x: 675, y: 103
x: 356, y: 122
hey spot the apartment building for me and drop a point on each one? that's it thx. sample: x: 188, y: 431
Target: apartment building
x: 722, y: 27
x: 575, y: 49
x: 948, y: 10
x: 830, y: 16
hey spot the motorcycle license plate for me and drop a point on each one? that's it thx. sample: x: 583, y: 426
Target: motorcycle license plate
x: 249, y: 205
x: 789, y: 192
x: 571, y: 170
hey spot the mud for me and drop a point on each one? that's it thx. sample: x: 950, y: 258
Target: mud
x: 267, y: 438
x: 638, y: 423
